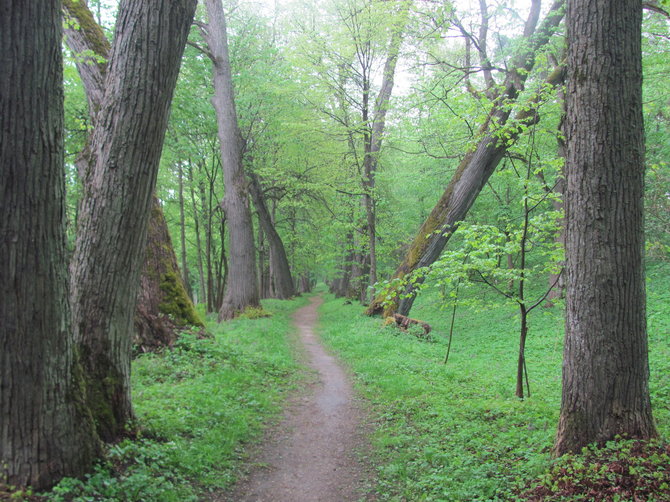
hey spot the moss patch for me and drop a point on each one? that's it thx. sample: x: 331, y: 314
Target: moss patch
x: 175, y: 302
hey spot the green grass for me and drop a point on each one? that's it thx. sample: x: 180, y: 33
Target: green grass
x: 457, y: 432
x: 199, y: 406
x: 441, y: 433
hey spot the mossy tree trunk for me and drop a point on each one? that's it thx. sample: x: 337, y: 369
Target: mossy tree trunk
x: 122, y: 165
x: 163, y: 306
x: 45, y: 430
x: 153, y: 326
x: 476, y: 167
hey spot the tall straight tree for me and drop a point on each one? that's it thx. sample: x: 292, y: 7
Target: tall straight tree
x: 605, y: 367
x: 119, y: 180
x: 374, y: 136
x: 45, y: 431
x: 242, y: 284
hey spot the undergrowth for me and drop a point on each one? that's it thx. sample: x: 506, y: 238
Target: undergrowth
x: 198, y: 407
x: 456, y: 432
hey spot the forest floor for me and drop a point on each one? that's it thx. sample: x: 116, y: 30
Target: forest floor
x: 314, y: 453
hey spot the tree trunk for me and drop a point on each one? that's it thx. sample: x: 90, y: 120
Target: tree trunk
x: 198, y: 240
x: 182, y: 235
x: 557, y: 281
x: 340, y: 286
x: 373, y: 149
x: 605, y: 367
x: 123, y: 163
x: 242, y: 286
x: 46, y: 431
x: 473, y: 172
x: 163, y: 307
x: 281, y: 270
x: 87, y: 40
x: 263, y: 270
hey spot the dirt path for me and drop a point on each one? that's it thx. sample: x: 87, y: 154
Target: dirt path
x: 312, y: 456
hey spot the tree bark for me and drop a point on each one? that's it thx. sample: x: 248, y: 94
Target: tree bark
x: 605, y: 367
x: 198, y: 240
x: 242, y: 286
x: 474, y: 170
x: 182, y: 235
x: 163, y: 306
x: 123, y: 163
x: 46, y: 431
x: 281, y: 270
x: 87, y: 40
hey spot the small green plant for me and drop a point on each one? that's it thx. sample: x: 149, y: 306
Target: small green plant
x: 133, y: 471
x: 254, y: 313
x: 197, y: 405
x: 623, y: 470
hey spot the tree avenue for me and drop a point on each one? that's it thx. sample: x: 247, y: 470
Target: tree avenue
x: 605, y: 365
x: 453, y: 159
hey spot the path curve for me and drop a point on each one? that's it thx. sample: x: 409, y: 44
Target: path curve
x: 313, y: 456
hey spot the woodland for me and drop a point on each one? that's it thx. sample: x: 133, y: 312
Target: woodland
x: 479, y: 190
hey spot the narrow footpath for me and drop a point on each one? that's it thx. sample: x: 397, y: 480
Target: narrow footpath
x: 312, y: 455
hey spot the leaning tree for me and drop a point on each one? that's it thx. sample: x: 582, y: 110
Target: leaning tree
x: 122, y: 161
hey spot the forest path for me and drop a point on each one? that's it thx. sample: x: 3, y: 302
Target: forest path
x: 312, y: 454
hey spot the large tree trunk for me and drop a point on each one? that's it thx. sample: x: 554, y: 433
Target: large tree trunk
x: 605, y: 367
x: 163, y: 306
x: 123, y: 163
x: 281, y: 270
x: 87, y: 40
x: 474, y: 170
x: 45, y: 430
x: 242, y: 285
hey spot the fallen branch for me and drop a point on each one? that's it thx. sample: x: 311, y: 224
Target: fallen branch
x: 404, y: 322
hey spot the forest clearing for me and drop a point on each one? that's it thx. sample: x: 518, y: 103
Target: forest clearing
x: 284, y: 250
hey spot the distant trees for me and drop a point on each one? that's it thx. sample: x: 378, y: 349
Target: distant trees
x: 605, y: 368
x: 46, y: 432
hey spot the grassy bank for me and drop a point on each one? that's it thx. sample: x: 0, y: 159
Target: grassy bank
x: 457, y: 432
x: 199, y: 406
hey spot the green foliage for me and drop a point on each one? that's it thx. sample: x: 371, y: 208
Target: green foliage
x: 254, y: 313
x: 197, y: 406
x: 618, y: 470
x: 137, y: 471
x: 452, y: 432
x: 457, y: 432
